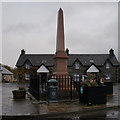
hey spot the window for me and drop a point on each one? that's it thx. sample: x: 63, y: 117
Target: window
x: 44, y: 61
x: 27, y: 76
x: 84, y: 77
x: 27, y: 66
x: 76, y: 77
x: 91, y: 61
x: 77, y: 66
x: 107, y: 65
x: 107, y: 77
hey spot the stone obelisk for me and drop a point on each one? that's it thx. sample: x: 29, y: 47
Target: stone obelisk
x: 60, y: 58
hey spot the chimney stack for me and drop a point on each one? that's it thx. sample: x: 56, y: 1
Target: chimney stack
x: 111, y: 51
x: 67, y: 51
x: 22, y: 52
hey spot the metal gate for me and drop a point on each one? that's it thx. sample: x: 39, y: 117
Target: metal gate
x: 34, y: 86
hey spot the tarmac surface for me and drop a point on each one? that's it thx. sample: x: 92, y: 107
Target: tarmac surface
x: 30, y: 107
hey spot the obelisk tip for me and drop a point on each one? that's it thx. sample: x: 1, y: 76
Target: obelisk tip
x: 60, y: 10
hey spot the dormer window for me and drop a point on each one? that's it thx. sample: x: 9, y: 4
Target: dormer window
x: 27, y: 66
x: 91, y: 61
x: 77, y: 66
x: 107, y: 65
x: 44, y: 61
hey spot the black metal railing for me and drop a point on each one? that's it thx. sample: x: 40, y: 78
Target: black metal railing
x: 68, y: 87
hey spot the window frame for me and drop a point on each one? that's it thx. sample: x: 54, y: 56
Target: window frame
x: 27, y: 76
x: 107, y: 65
x: 77, y: 66
x: 27, y: 66
x: 107, y: 77
x: 76, y: 77
x: 91, y: 61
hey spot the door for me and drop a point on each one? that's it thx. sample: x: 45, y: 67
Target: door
x: 43, y: 78
x: 43, y: 82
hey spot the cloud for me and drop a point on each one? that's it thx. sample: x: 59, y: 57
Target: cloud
x: 89, y: 28
x: 23, y: 27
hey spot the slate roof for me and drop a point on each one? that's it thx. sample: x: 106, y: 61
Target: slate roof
x: 5, y: 71
x: 47, y: 59
x: 36, y: 59
x: 99, y: 59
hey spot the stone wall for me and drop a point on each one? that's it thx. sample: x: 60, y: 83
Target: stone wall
x: 112, y: 71
x: 72, y: 71
x: 22, y: 71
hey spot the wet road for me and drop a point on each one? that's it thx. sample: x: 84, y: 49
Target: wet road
x: 16, y: 107
x: 25, y: 107
x: 111, y: 114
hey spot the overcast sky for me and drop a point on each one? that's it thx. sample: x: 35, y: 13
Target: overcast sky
x: 89, y: 28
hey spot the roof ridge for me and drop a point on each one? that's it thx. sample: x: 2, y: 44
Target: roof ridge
x: 88, y: 54
x: 69, y: 54
x: 36, y: 59
x: 39, y: 54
